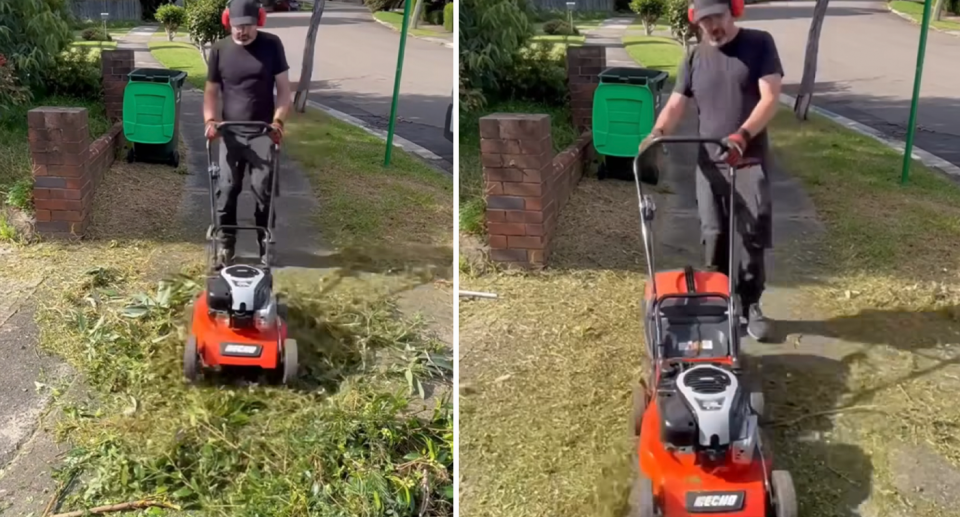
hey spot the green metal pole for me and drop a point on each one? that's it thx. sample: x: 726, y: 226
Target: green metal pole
x: 396, y: 82
x: 921, y: 51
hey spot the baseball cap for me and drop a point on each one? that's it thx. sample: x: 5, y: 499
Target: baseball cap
x: 244, y: 12
x: 704, y: 8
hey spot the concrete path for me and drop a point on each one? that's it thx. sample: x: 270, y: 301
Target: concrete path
x: 610, y: 35
x: 355, y: 63
x: 867, y: 62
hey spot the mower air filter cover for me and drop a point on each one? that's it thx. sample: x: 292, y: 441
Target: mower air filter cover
x: 218, y: 294
x: 678, y: 426
x: 713, y: 393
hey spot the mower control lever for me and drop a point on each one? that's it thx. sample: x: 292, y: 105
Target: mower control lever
x: 262, y: 126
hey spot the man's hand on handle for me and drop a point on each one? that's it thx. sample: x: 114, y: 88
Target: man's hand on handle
x: 276, y: 131
x: 736, y: 146
x: 211, y: 131
x: 648, y: 140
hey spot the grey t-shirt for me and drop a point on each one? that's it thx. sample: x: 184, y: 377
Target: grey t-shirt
x: 724, y: 82
x: 247, y: 76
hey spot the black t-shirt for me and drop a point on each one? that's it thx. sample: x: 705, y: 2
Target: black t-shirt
x: 247, y: 76
x: 724, y: 81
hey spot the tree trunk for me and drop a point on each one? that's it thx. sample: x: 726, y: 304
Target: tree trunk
x: 647, y: 28
x: 938, y: 10
x: 417, y: 9
x: 306, y: 71
x: 807, y: 83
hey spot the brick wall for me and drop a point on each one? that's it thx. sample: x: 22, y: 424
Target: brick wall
x: 584, y: 65
x: 114, y: 67
x: 67, y: 167
x: 525, y: 185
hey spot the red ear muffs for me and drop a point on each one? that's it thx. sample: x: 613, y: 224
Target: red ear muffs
x: 736, y: 9
x: 261, y: 17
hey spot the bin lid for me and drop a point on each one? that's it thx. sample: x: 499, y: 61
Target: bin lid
x: 174, y: 78
x: 634, y: 75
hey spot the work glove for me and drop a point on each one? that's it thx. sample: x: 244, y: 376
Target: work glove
x: 211, y: 131
x: 276, y: 132
x: 736, y: 145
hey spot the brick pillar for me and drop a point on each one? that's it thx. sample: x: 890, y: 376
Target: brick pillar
x: 584, y: 65
x: 59, y: 150
x: 114, y: 67
x: 517, y: 153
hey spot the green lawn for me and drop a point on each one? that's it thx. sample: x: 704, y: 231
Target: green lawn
x: 115, y: 33
x: 396, y: 20
x: 637, y: 26
x: 471, y: 172
x: 915, y: 11
x: 180, y: 56
x: 655, y: 53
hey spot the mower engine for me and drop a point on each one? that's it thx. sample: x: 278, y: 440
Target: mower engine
x: 243, y: 295
x: 704, y: 410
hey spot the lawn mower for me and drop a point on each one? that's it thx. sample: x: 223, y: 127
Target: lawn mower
x: 238, y: 321
x: 697, y: 420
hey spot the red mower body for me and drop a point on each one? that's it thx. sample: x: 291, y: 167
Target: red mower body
x: 220, y: 345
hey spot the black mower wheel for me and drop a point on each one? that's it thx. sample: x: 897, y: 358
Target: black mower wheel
x: 642, y: 501
x: 191, y: 361
x: 640, y: 401
x: 290, y: 358
x: 784, y: 494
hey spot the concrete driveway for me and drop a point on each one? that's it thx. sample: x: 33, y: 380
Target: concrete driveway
x: 355, y: 62
x: 867, y: 62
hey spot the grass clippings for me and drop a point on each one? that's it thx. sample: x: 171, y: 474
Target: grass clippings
x: 472, y: 206
x: 866, y: 375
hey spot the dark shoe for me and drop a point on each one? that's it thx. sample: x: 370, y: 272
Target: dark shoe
x: 225, y: 255
x: 758, y: 326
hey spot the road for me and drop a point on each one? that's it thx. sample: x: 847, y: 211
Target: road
x: 354, y: 66
x: 866, y: 67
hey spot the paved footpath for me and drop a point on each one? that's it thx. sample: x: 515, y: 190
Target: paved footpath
x: 866, y: 67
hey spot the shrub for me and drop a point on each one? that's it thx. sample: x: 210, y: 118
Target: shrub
x: 95, y: 34
x: 538, y: 75
x: 32, y: 35
x: 171, y: 16
x: 434, y: 17
x: 492, y: 35
x: 560, y: 28
x: 204, y: 20
x: 448, y: 17
x: 650, y: 11
x: 76, y: 73
x: 12, y: 93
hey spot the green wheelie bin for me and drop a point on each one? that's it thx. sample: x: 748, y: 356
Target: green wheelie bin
x: 625, y: 108
x: 151, y: 115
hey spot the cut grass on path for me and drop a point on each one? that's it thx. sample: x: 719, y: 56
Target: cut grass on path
x: 915, y: 11
x: 471, y: 172
x: 176, y: 55
x: 395, y: 19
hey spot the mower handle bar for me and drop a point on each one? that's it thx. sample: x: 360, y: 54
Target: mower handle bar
x: 262, y: 126
x: 646, y: 217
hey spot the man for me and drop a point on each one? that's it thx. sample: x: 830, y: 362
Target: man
x: 735, y: 78
x: 243, y: 70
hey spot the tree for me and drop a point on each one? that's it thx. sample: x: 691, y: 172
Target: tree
x: 172, y: 17
x: 204, y: 23
x: 650, y: 11
x: 679, y: 21
x: 306, y: 70
x: 32, y: 35
x: 805, y: 95
x: 493, y: 34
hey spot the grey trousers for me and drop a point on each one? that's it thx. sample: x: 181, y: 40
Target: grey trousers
x: 753, y: 233
x: 238, y: 155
